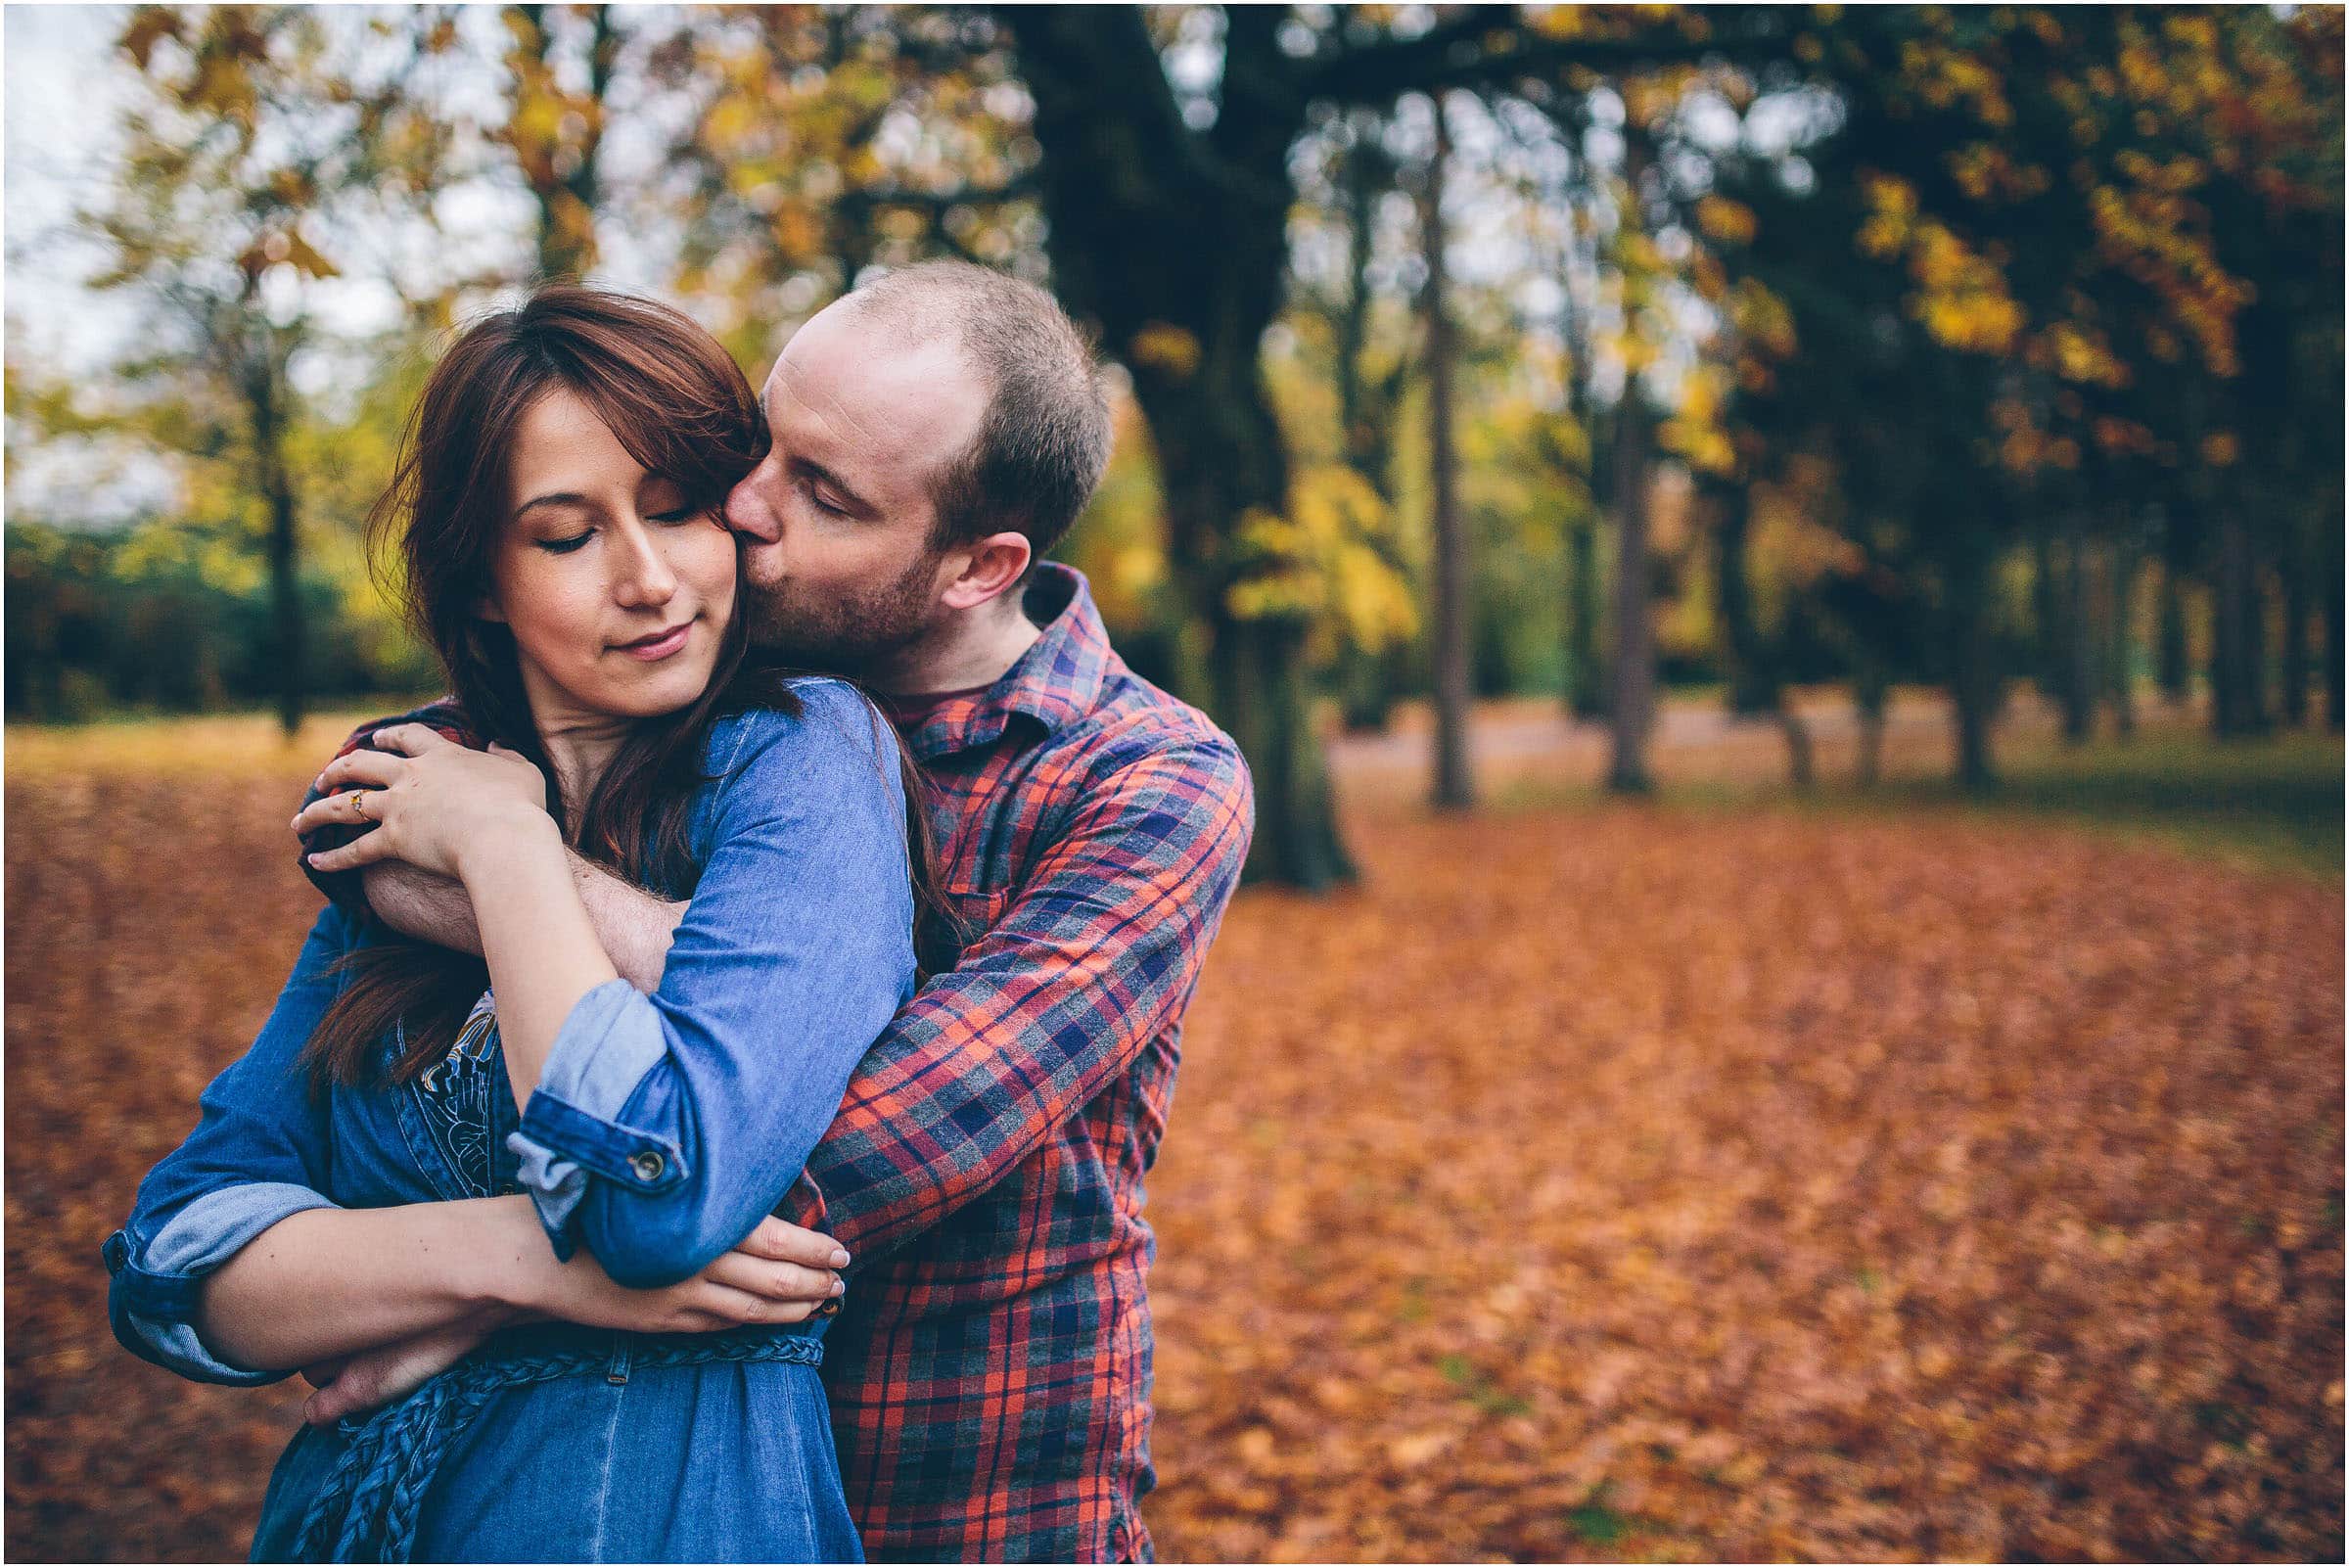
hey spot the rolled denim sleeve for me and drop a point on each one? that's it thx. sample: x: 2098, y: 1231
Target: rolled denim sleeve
x: 663, y: 1127
x: 257, y: 1154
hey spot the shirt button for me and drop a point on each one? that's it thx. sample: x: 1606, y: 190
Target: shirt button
x: 647, y: 1165
x: 506, y: 1189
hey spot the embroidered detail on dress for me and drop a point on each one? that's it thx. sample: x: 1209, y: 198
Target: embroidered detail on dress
x: 457, y: 1096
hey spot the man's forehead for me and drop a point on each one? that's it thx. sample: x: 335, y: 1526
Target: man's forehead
x: 863, y: 385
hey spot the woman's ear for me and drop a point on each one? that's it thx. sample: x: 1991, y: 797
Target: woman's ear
x: 486, y: 607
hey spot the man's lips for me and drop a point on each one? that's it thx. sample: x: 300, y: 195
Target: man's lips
x: 659, y: 645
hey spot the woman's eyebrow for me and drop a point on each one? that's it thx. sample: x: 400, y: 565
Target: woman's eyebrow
x: 552, y: 499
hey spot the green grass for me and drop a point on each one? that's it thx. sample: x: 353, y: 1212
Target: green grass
x: 2274, y: 802
x: 2271, y: 804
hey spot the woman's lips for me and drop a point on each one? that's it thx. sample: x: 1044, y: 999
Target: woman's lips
x: 660, y: 646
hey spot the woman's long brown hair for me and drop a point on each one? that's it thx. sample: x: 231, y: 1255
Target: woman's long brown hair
x: 680, y: 407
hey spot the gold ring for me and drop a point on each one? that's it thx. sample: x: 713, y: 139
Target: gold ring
x: 357, y: 809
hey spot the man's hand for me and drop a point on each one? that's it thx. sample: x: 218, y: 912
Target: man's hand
x: 394, y: 1371
x: 780, y: 1273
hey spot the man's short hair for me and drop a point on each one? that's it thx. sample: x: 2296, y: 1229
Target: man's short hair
x: 1044, y: 439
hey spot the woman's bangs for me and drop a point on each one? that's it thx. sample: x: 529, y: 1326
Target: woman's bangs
x: 701, y: 450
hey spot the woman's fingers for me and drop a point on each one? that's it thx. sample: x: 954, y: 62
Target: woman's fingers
x: 365, y: 850
x: 410, y: 740
x: 339, y: 809
x: 777, y: 1281
x: 746, y: 1307
x: 368, y: 769
x: 784, y: 1242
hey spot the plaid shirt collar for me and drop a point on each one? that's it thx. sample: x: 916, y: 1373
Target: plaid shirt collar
x: 1055, y: 682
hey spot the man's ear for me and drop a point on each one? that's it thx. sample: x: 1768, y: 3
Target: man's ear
x: 996, y: 562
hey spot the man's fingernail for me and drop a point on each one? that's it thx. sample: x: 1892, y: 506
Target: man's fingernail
x: 840, y: 1258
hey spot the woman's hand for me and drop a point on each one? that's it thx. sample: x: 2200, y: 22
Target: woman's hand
x: 350, y: 1384
x: 431, y: 801
x: 780, y: 1273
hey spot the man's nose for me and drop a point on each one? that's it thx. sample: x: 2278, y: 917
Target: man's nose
x: 747, y: 511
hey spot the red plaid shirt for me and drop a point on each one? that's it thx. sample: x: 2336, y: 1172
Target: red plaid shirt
x: 989, y: 1374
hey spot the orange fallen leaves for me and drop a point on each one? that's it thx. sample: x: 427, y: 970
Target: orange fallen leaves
x: 1608, y: 1185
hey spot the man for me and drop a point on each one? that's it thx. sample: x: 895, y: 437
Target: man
x: 935, y: 432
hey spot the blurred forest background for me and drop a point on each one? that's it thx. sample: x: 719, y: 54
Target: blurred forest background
x: 1465, y: 351
x: 1711, y: 441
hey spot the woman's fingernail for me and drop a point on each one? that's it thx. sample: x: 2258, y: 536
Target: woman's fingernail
x: 840, y: 1287
x: 840, y: 1258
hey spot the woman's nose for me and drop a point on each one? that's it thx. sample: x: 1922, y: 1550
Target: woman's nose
x: 644, y: 576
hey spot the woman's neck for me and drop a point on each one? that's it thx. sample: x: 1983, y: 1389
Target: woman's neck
x: 579, y: 748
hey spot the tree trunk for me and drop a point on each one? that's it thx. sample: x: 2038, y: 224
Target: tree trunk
x: 2074, y: 635
x: 2236, y: 662
x: 264, y: 390
x: 1176, y: 243
x: 2047, y: 613
x: 1868, y: 694
x: 2171, y: 662
x: 2333, y: 650
x: 1585, y: 687
x: 2294, y: 662
x: 1974, y: 683
x: 1455, y: 576
x: 1634, y: 658
x: 1753, y: 687
x: 1368, y: 682
x: 1586, y: 682
x: 1799, y: 769
x: 563, y: 178
x: 2121, y: 645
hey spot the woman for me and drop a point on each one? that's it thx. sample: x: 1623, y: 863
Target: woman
x: 598, y: 1156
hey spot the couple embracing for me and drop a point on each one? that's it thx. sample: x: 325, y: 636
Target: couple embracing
x: 708, y: 1120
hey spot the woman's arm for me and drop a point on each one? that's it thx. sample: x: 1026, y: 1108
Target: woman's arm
x: 324, y: 1285
x: 665, y: 1125
x: 660, y: 1129
x: 191, y: 1292
x: 479, y: 817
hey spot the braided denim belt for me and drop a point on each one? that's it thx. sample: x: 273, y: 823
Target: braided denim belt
x: 366, y: 1510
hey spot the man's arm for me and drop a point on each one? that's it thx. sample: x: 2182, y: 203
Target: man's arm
x: 1100, y: 951
x: 635, y: 926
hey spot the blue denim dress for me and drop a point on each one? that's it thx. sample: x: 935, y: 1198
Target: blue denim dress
x: 662, y: 1130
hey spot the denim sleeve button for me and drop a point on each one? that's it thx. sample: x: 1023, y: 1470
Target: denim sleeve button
x: 647, y: 1165
x: 117, y: 1252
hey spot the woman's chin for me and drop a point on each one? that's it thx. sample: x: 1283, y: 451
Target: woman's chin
x: 655, y: 693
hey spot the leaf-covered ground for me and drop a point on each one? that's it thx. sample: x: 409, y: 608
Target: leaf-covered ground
x: 1593, y: 1183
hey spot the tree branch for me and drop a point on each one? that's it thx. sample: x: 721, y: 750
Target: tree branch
x: 1478, y: 51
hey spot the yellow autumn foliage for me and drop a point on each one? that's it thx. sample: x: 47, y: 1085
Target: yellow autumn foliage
x: 1327, y: 564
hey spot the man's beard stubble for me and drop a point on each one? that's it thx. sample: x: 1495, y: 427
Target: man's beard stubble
x: 842, y: 633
